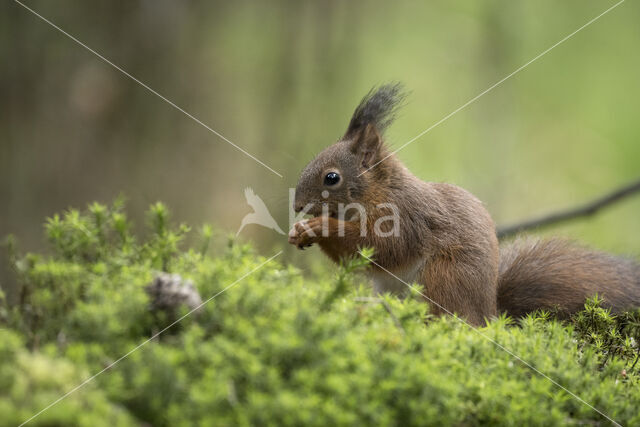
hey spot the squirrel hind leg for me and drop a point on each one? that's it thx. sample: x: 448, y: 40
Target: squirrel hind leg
x: 463, y: 289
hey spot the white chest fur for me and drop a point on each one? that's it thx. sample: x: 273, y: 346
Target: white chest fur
x: 396, y: 283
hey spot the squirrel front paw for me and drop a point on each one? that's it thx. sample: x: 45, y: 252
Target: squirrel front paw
x: 305, y: 233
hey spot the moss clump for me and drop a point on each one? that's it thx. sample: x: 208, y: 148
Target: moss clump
x: 277, y: 348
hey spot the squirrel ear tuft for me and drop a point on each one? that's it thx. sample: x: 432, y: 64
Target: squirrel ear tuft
x: 367, y: 143
x: 378, y: 107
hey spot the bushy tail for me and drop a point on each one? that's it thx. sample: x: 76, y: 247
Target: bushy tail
x: 558, y: 275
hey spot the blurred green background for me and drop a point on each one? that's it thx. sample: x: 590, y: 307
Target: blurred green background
x: 281, y: 78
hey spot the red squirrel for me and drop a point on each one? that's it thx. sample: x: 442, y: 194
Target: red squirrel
x: 440, y: 235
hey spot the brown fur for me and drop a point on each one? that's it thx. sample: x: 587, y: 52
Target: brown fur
x: 446, y: 232
x: 558, y: 275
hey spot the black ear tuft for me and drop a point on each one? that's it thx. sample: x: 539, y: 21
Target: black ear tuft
x: 378, y: 107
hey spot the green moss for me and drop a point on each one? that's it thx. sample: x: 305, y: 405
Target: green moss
x: 30, y: 381
x: 277, y: 348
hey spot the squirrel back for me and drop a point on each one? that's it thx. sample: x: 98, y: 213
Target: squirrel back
x: 439, y: 235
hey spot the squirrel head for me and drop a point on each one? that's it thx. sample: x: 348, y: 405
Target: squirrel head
x: 348, y: 171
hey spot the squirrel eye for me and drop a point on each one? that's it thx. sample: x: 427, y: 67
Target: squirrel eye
x: 331, y: 178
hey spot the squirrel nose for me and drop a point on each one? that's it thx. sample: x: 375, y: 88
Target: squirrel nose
x: 298, y: 207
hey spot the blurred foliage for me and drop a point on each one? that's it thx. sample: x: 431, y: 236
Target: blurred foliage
x: 31, y: 381
x: 279, y: 349
x: 281, y: 78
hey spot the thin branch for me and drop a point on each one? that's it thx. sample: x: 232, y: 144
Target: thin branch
x: 393, y: 316
x: 634, y: 363
x: 387, y: 308
x: 569, y: 214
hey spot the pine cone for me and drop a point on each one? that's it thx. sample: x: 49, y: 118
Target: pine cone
x: 169, y: 291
